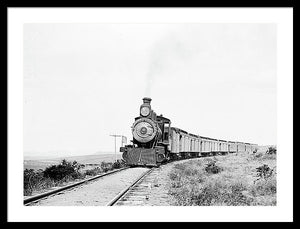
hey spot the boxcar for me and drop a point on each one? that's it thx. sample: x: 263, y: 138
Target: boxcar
x: 174, y: 136
x: 205, y: 145
x: 241, y: 147
x: 232, y: 147
x: 248, y: 147
x: 223, y: 146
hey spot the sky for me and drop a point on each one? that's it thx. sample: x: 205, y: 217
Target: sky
x: 84, y: 82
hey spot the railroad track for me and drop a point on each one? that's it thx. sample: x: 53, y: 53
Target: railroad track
x: 39, y: 197
x: 123, y: 196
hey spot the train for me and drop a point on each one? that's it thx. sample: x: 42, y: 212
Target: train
x: 155, y: 141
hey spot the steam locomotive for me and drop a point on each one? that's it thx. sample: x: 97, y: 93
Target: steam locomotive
x: 155, y: 141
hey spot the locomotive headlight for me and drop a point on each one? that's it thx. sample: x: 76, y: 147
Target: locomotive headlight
x: 145, y: 111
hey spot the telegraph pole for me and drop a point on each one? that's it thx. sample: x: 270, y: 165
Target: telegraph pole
x: 115, y: 136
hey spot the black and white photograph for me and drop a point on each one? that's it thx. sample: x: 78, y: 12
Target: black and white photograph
x: 128, y: 113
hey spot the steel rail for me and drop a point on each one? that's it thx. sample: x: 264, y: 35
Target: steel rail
x: 46, y: 194
x: 126, y: 190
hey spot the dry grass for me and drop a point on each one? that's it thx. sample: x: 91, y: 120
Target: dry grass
x: 236, y: 181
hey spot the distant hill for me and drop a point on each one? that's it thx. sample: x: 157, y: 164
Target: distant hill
x: 42, y: 163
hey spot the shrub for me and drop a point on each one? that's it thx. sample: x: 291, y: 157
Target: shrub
x: 28, y: 187
x: 266, y: 182
x: 264, y: 171
x: 35, y: 180
x: 92, y: 172
x: 106, y: 166
x: 64, y: 169
x: 271, y: 150
x: 211, y: 167
x: 118, y: 164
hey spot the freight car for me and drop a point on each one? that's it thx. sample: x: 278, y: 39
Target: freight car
x: 155, y: 141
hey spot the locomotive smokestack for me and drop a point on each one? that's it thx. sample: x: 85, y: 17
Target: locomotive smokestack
x: 147, y: 100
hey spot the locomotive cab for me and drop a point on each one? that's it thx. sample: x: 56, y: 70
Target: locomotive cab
x: 165, y: 126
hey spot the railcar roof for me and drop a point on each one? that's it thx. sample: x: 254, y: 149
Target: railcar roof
x: 179, y: 130
x: 208, y: 138
x: 240, y: 142
x: 194, y: 135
